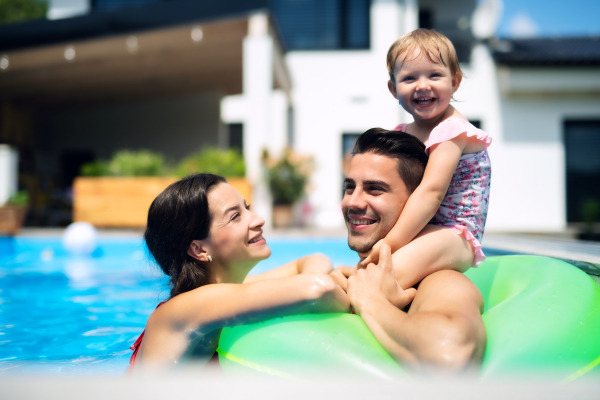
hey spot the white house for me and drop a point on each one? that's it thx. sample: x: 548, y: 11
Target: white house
x: 528, y: 95
x: 310, y: 74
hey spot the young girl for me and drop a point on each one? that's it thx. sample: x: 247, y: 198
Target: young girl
x: 442, y: 223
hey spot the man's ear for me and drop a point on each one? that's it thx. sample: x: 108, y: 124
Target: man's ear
x: 198, y: 250
x: 392, y: 89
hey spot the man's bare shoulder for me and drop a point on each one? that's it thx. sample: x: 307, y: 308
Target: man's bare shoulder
x: 450, y: 290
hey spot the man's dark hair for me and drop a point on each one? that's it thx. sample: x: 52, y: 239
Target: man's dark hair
x: 404, y: 147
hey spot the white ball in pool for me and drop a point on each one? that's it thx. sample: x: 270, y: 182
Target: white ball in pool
x: 80, y: 238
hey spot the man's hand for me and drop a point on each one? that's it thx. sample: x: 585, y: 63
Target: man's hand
x: 341, y: 275
x: 372, y: 256
x: 377, y: 283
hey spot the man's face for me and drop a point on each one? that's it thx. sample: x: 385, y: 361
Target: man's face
x: 374, y: 198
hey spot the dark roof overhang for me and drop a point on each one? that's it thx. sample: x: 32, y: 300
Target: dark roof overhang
x: 121, y: 21
x: 548, y: 52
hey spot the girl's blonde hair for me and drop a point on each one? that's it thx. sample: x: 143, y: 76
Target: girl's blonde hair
x: 431, y: 43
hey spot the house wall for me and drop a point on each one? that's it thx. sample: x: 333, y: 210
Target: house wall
x: 522, y: 109
x: 233, y: 110
x: 535, y: 102
x: 174, y: 126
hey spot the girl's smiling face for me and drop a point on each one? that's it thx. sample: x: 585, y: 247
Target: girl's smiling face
x: 422, y: 87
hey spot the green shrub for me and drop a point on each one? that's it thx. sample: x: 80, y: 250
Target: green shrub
x: 95, y: 168
x: 21, y: 10
x: 20, y: 199
x: 228, y: 163
x: 136, y: 163
x: 128, y: 163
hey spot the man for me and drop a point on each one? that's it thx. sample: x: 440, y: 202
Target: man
x: 442, y: 328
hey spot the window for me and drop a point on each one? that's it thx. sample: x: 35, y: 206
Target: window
x: 461, y: 38
x: 582, y: 148
x: 105, y: 5
x: 476, y: 123
x: 322, y: 24
x: 236, y: 137
x: 425, y: 18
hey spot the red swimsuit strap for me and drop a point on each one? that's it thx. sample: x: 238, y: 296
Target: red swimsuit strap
x: 138, y: 343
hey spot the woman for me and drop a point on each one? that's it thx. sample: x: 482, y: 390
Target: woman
x: 204, y: 237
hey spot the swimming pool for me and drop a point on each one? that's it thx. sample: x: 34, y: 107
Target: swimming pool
x: 79, y: 315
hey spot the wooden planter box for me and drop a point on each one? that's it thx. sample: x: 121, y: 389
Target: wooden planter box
x: 123, y: 202
x: 11, y: 219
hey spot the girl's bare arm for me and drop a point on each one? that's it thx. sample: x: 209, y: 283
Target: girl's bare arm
x: 424, y: 202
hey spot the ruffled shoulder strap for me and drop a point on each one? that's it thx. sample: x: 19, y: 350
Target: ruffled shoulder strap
x: 451, y: 128
x: 400, y: 127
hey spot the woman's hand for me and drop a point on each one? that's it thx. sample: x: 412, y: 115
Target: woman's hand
x: 327, y: 295
x: 341, y: 275
x: 377, y: 283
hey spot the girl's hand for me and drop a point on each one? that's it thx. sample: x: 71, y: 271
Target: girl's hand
x: 377, y: 283
x: 373, y: 255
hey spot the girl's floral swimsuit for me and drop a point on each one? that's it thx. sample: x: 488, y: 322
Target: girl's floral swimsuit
x: 465, y: 206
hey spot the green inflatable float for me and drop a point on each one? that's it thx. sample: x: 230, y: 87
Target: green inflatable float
x: 541, y: 315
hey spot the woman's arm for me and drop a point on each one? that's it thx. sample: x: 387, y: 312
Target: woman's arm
x: 424, y: 202
x: 219, y: 305
x: 307, y: 264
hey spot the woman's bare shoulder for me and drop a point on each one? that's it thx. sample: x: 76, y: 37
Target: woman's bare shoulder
x: 176, y: 311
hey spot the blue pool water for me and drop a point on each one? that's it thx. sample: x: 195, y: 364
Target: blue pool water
x: 79, y: 315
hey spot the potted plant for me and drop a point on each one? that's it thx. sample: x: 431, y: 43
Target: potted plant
x: 118, y: 192
x: 12, y: 213
x: 287, y: 178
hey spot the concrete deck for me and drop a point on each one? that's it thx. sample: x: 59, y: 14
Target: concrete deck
x: 584, y: 255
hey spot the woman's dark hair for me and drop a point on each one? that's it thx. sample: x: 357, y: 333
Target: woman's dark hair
x: 177, y: 216
x: 406, y: 148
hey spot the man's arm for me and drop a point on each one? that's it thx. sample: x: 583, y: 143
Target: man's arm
x: 442, y: 330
